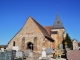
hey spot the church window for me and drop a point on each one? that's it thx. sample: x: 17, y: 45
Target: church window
x: 13, y: 43
x: 23, y: 38
x: 23, y: 41
x: 54, y: 32
x: 35, y: 42
x: 35, y: 38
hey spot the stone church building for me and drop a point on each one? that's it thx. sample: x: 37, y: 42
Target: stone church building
x: 35, y: 36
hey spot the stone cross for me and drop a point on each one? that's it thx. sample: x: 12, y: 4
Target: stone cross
x: 31, y: 46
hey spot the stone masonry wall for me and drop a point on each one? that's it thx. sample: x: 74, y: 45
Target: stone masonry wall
x: 58, y: 37
x: 29, y: 31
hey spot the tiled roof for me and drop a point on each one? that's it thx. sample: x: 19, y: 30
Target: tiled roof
x: 57, y: 23
x: 73, y: 55
x: 48, y: 29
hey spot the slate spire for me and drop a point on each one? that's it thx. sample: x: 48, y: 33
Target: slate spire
x: 57, y: 23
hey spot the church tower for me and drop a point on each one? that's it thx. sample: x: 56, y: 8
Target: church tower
x: 58, y: 31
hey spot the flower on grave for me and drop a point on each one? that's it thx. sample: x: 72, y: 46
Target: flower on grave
x: 65, y: 43
x: 19, y: 57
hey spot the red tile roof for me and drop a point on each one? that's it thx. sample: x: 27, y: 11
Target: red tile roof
x: 48, y: 29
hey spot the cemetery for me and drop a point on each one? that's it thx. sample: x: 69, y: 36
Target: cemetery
x: 29, y: 54
x: 46, y: 54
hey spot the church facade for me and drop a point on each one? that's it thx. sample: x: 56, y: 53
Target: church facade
x: 34, y: 36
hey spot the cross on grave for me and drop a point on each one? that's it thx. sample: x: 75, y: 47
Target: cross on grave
x: 31, y: 46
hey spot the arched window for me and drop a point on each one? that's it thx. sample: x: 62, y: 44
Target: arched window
x: 23, y: 41
x: 23, y: 38
x: 35, y: 43
x: 13, y: 43
x: 35, y: 38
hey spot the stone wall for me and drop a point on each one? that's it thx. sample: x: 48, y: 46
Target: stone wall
x: 58, y: 37
x: 29, y: 31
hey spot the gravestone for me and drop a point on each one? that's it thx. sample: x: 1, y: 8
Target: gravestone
x: 15, y: 48
x: 31, y: 54
x: 27, y: 52
x: 19, y: 54
x: 43, y: 53
x: 9, y: 55
x: 49, y: 50
x: 39, y: 52
x: 24, y: 57
x: 61, y: 46
x: 2, y: 49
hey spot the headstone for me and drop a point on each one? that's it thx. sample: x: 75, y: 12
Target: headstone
x: 31, y: 54
x: 19, y: 54
x: 24, y: 57
x: 11, y: 54
x: 39, y: 52
x: 61, y: 46
x: 2, y: 49
x: 15, y: 48
x: 43, y: 53
x: 6, y: 55
x: 49, y: 50
x: 27, y: 52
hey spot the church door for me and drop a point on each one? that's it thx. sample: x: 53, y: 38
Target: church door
x: 30, y: 45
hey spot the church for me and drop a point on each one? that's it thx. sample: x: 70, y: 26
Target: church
x: 35, y: 36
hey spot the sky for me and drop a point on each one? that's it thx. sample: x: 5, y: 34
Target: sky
x: 14, y: 13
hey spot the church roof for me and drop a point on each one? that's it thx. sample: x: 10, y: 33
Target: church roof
x: 48, y: 29
x: 43, y: 30
x: 57, y: 23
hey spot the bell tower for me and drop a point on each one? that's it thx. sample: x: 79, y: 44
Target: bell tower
x: 58, y: 31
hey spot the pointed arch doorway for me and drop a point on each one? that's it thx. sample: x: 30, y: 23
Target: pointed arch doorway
x: 30, y: 45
